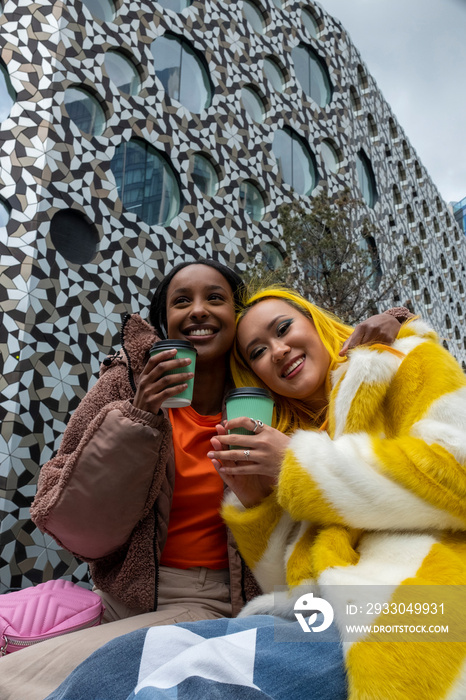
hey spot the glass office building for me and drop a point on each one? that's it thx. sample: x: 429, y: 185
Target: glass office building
x: 137, y: 134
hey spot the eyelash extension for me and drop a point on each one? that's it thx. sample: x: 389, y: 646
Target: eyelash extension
x: 281, y: 330
x: 255, y: 354
x: 186, y: 300
x: 283, y: 327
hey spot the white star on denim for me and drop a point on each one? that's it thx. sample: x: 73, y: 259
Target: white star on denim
x: 172, y: 654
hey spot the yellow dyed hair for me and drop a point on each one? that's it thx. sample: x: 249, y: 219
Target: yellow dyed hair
x: 291, y: 414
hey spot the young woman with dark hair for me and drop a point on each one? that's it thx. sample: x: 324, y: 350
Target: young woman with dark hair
x: 131, y: 490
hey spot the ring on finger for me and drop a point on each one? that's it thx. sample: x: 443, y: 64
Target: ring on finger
x: 246, y: 453
x: 257, y: 424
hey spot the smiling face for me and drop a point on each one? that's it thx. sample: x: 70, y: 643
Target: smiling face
x: 200, y: 309
x: 283, y: 348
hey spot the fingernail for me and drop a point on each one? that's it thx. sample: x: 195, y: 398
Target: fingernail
x: 210, y: 455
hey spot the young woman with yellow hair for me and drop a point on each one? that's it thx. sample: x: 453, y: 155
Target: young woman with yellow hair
x: 361, y: 498
x: 292, y: 413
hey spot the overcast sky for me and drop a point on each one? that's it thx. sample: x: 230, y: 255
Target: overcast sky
x: 416, y: 52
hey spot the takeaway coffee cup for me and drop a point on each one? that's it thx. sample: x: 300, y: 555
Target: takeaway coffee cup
x: 251, y: 402
x: 184, y: 349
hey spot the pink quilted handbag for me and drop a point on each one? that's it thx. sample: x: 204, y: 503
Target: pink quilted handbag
x: 44, y: 611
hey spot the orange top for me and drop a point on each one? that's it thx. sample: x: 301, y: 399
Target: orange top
x: 196, y: 532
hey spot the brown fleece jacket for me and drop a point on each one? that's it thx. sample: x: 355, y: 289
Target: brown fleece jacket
x: 109, y: 488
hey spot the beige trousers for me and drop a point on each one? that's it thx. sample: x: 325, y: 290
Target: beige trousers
x: 184, y: 596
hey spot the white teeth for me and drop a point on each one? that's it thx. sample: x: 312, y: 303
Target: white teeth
x: 202, y: 331
x: 293, y: 366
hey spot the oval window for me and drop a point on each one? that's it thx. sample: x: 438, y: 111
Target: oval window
x: 330, y: 156
x: 274, y: 74
x: 295, y: 163
x: 102, y: 9
x: 175, y: 5
x: 146, y: 183
x: 312, y: 74
x: 372, y: 126
x: 251, y: 200
x: 254, y: 16
x: 362, y: 78
x: 182, y: 72
x: 122, y: 72
x: 73, y: 236
x: 85, y: 111
x: 7, y: 93
x: 5, y: 211
x: 373, y: 270
x: 366, y: 178
x: 310, y: 23
x: 273, y: 257
x: 253, y: 104
x: 203, y: 174
x: 355, y: 99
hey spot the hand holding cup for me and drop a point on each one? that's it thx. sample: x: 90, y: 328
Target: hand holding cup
x: 250, y: 469
x: 249, y: 458
x: 167, y: 379
x: 258, y: 453
x: 249, y: 401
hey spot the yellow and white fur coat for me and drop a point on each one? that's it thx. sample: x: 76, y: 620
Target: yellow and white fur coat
x: 378, y: 499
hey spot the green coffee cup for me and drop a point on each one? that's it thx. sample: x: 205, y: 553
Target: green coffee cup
x: 251, y: 402
x: 183, y: 349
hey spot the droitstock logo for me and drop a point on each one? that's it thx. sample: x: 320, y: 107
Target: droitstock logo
x: 311, y: 606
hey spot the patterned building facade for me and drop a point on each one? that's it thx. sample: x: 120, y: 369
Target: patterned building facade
x: 134, y: 135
